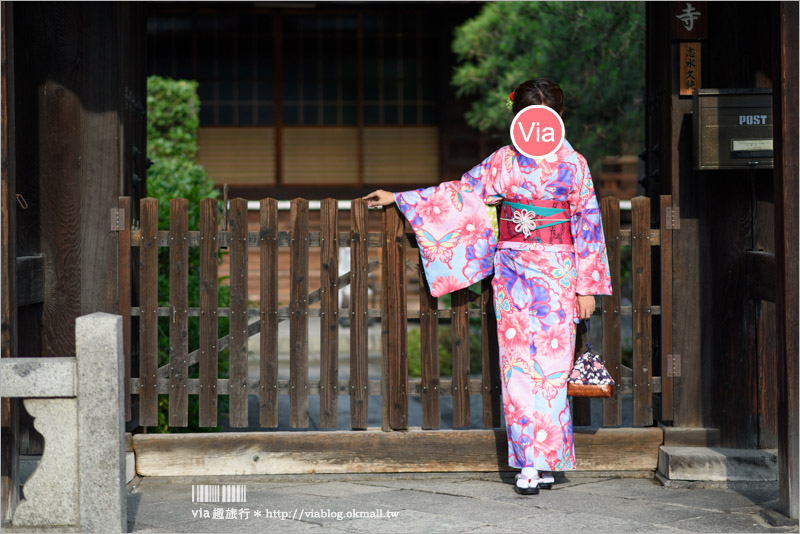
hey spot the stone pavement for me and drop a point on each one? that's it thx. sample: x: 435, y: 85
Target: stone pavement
x: 456, y: 502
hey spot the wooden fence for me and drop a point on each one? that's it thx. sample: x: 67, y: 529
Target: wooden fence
x: 394, y: 386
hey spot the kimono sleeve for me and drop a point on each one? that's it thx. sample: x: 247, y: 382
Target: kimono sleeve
x: 453, y: 225
x: 591, y: 259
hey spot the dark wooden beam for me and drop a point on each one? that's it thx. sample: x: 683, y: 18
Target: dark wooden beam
x: 9, y: 408
x: 760, y: 275
x: 786, y: 235
x: 30, y: 280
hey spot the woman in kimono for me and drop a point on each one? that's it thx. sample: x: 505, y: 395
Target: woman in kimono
x: 548, y: 263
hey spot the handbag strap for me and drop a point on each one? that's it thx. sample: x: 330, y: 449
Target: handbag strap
x: 588, y: 338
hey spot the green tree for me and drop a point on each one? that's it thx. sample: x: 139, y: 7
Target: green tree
x: 594, y: 50
x: 172, y: 121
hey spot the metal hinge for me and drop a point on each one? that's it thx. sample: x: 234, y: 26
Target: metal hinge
x: 673, y: 365
x: 673, y: 216
x: 117, y: 219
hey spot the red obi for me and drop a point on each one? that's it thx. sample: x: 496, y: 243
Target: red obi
x: 535, y: 221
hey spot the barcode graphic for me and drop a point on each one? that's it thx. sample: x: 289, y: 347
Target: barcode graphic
x: 219, y: 493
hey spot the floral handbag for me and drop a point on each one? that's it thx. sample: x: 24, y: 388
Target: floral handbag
x: 589, y: 377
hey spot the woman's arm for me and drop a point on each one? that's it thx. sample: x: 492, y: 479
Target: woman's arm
x: 590, y: 247
x: 379, y: 197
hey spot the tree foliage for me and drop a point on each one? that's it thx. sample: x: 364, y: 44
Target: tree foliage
x: 594, y: 50
x: 173, y: 109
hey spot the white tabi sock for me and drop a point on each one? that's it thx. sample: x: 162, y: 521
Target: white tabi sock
x: 526, y: 474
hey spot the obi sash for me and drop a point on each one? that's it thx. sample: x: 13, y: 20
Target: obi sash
x: 535, y: 221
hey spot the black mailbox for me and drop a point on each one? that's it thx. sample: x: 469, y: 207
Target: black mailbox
x: 732, y: 128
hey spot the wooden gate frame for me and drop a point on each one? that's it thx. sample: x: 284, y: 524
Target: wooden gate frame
x: 394, y: 388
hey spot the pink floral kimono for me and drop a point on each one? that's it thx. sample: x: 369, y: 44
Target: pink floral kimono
x: 534, y: 283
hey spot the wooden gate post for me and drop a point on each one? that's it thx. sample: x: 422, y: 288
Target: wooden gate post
x: 612, y: 312
x: 209, y: 320
x: 268, y: 367
x: 329, y: 314
x: 393, y: 321
x: 359, y: 373
x: 668, y: 368
x: 642, y: 313
x: 298, y: 323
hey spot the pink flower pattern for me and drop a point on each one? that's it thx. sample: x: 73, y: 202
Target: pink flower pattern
x: 435, y: 210
x: 445, y: 285
x: 513, y: 329
x: 551, y: 343
x: 473, y: 227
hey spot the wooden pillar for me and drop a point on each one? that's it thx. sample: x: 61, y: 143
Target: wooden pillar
x: 669, y: 142
x: 785, y: 89
x: 72, y: 100
x: 8, y: 407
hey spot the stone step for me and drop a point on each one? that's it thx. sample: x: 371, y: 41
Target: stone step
x: 717, y: 464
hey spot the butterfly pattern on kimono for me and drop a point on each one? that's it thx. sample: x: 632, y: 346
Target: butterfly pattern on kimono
x: 437, y: 249
x: 548, y: 384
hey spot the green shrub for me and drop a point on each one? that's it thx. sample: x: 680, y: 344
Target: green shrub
x: 445, y: 351
x: 172, y: 121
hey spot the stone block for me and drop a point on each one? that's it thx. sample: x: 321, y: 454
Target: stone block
x: 715, y: 463
x: 37, y: 377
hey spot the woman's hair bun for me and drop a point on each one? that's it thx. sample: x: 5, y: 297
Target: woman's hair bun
x: 538, y: 92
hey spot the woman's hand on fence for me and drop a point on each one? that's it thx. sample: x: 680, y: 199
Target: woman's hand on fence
x: 585, y: 306
x: 379, y: 197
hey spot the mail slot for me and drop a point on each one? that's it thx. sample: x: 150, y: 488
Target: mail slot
x: 732, y: 128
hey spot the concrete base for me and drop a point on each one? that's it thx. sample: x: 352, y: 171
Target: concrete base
x: 717, y: 464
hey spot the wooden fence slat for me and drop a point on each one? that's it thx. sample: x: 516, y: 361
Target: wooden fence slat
x: 268, y: 370
x: 148, y: 318
x: 612, y: 324
x: 394, y: 326
x: 298, y: 324
x: 490, y: 360
x: 209, y: 318
x: 667, y: 412
x: 429, y: 353
x: 581, y: 406
x: 237, y: 225
x: 329, y: 314
x: 459, y: 323
x: 359, y: 373
x: 642, y: 342
x: 179, y: 306
x: 124, y: 281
